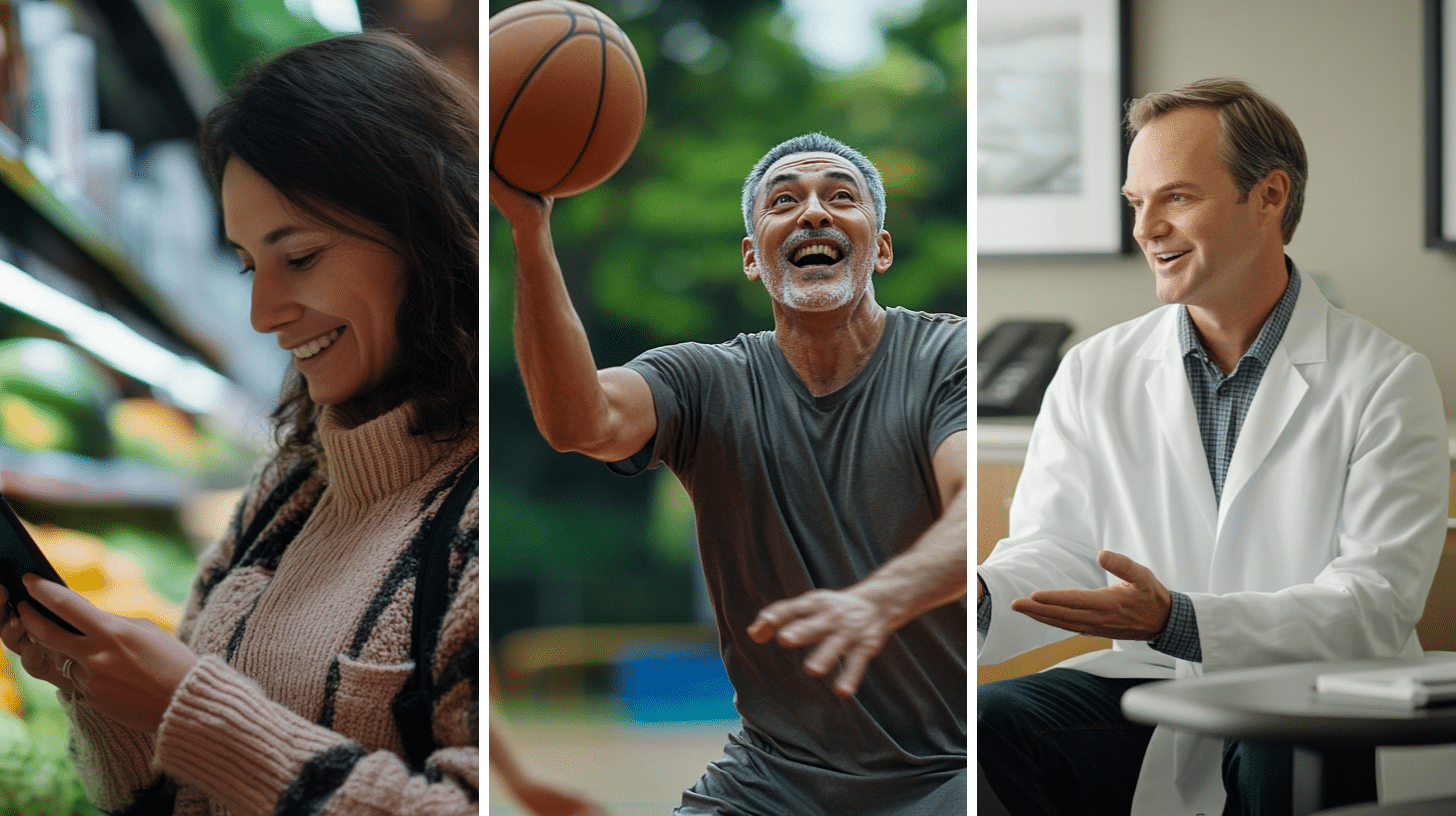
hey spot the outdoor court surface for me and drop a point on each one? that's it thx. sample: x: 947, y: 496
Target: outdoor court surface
x: 634, y: 770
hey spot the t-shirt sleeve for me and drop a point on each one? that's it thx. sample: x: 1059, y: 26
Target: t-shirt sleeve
x: 948, y: 398
x: 673, y: 376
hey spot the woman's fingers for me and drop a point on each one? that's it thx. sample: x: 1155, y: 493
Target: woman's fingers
x: 66, y: 604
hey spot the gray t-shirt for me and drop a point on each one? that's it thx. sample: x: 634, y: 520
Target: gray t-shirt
x: 794, y: 492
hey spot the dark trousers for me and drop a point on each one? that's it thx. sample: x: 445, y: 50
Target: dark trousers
x: 1056, y: 743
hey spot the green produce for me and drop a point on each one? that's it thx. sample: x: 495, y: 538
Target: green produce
x: 28, y: 425
x: 50, y: 371
x: 61, y: 378
x: 149, y: 431
x: 36, y: 777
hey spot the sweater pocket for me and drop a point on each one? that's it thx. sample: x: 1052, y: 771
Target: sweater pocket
x: 364, y: 699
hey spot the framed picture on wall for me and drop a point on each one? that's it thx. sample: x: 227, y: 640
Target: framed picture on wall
x: 1051, y: 79
x: 1440, y: 94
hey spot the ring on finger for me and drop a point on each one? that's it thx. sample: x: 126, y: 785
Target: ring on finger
x: 66, y: 669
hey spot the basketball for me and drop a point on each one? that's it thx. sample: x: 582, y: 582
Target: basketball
x: 567, y: 97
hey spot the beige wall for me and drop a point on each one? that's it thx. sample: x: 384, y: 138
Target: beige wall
x: 1349, y: 73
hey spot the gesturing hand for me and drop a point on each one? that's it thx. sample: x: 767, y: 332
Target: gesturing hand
x: 125, y: 668
x: 1136, y: 609
x: 847, y: 626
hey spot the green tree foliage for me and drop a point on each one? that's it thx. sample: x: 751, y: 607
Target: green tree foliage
x: 653, y: 255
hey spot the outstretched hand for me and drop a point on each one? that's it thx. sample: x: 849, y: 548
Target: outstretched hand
x: 125, y: 668
x: 848, y: 627
x: 1136, y: 609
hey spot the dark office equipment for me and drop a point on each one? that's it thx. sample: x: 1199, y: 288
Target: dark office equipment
x: 1014, y: 364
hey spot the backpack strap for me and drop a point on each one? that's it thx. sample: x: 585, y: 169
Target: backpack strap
x: 280, y: 494
x: 413, y: 706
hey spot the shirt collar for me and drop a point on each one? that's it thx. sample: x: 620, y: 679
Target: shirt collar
x: 1269, y: 335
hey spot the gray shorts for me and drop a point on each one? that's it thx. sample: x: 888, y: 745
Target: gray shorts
x: 754, y: 779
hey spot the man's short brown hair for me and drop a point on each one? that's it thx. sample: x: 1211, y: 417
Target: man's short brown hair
x: 1257, y: 136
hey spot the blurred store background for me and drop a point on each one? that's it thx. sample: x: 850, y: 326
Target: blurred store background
x: 133, y: 393
x: 602, y: 641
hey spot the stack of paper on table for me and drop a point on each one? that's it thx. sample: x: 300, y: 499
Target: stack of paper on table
x: 1409, y: 686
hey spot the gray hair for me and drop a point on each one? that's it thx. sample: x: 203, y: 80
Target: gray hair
x: 1257, y: 136
x: 813, y: 143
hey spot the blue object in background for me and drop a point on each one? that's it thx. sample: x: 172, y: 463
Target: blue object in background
x: 673, y: 682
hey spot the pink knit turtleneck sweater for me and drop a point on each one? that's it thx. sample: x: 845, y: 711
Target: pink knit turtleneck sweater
x: 304, y: 646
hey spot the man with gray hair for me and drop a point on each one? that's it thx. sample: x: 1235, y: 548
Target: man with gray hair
x: 1246, y: 476
x: 826, y: 461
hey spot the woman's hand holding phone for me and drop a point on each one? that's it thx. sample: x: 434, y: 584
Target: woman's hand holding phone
x: 125, y: 668
x: 37, y: 661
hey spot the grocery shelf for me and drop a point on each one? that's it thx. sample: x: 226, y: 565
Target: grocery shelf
x: 103, y: 263
x: 67, y: 478
x: 72, y: 213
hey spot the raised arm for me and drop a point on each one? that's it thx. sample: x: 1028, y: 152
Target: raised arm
x: 607, y: 414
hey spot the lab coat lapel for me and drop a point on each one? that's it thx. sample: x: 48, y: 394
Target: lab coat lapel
x: 1279, y: 394
x: 1181, y: 770
x: 1171, y: 405
x: 1280, y: 391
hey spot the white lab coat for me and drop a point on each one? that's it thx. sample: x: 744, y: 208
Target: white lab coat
x: 1323, y: 547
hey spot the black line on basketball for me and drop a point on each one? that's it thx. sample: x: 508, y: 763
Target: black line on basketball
x: 505, y: 117
x: 596, y: 115
x: 636, y: 70
x: 503, y: 25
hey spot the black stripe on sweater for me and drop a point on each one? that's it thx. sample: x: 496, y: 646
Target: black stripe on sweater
x: 160, y: 798
x: 241, y: 628
x: 207, y: 581
x: 464, y: 547
x: 444, y: 486
x: 464, y: 668
x: 403, y: 570
x: 320, y: 779
x: 406, y: 564
x: 331, y: 692
x: 268, y: 550
x: 405, y: 567
x: 270, y: 546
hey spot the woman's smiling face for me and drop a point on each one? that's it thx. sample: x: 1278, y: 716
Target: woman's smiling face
x: 330, y: 295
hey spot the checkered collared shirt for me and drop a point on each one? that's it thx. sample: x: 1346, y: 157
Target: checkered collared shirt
x: 1221, y: 403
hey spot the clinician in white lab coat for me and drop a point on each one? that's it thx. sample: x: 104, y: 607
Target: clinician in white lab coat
x: 1298, y: 516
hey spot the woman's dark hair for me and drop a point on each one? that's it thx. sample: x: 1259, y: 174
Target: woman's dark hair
x: 372, y: 126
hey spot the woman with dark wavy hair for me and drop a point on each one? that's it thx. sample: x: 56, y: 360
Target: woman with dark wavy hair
x: 328, y: 658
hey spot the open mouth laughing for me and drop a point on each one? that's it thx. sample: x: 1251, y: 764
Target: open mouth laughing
x: 816, y: 254
x: 820, y: 248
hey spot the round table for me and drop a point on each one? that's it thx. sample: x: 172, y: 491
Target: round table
x: 1279, y: 704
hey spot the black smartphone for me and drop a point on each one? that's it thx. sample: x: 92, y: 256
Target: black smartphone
x: 19, y: 556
